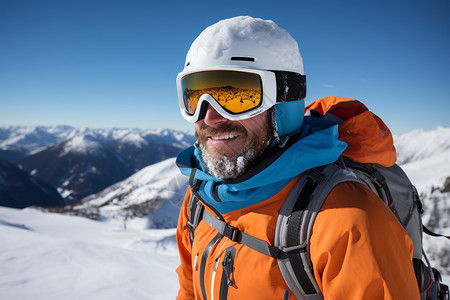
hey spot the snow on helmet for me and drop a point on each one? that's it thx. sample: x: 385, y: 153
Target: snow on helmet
x: 251, y: 43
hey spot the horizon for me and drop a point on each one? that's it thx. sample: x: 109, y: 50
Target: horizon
x: 186, y: 131
x: 113, y: 64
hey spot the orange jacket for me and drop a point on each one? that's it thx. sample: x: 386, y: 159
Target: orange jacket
x: 358, y: 250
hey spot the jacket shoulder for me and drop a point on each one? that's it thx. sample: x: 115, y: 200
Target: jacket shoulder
x: 359, y: 249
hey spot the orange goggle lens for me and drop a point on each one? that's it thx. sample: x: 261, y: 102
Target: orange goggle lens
x: 234, y: 91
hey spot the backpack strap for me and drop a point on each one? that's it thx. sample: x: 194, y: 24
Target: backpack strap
x: 295, y: 222
x: 241, y: 237
x: 196, y: 210
x: 196, y: 207
x: 429, y: 232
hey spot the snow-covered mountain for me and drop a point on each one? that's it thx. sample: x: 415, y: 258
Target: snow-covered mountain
x: 152, y: 195
x: 425, y: 157
x: 78, y: 166
x: 19, y: 141
x: 420, y: 144
x: 82, y: 161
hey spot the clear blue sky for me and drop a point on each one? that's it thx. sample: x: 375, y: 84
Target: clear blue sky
x: 113, y: 63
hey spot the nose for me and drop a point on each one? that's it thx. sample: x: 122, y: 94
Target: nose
x: 213, y: 118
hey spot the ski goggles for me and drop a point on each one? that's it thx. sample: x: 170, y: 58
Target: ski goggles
x: 236, y: 94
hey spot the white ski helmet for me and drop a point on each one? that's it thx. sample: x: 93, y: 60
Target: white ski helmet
x: 253, y: 44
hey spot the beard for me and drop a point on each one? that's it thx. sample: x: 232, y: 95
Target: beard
x: 229, y: 167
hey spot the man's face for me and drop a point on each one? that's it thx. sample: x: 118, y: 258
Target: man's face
x: 229, y: 148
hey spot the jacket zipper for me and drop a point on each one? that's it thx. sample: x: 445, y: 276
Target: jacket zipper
x: 196, y: 262
x: 213, y: 278
x: 204, y: 263
x: 228, y: 265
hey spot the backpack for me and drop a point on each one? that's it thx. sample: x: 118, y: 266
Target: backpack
x: 297, y: 215
x: 296, y: 219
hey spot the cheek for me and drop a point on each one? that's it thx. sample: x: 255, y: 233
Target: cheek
x: 198, y: 125
x: 257, y: 126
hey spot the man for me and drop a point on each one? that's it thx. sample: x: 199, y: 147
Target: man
x: 243, y: 87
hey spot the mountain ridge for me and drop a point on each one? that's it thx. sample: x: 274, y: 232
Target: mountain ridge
x: 82, y: 161
x: 25, y: 140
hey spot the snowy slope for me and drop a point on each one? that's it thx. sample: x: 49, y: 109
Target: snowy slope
x: 50, y: 256
x: 425, y: 157
x: 153, y: 195
x: 420, y: 144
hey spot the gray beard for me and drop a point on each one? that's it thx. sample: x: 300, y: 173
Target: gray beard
x: 229, y: 167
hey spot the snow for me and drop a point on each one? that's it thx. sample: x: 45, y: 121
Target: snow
x: 82, y: 144
x: 429, y: 172
x: 160, y: 185
x: 49, y: 256
x: 162, y: 178
x: 425, y: 157
x: 420, y: 144
x: 134, y: 138
x: 64, y: 192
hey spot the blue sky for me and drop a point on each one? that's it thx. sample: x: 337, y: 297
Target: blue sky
x: 114, y: 63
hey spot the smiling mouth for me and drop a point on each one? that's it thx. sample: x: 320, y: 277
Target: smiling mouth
x: 224, y: 137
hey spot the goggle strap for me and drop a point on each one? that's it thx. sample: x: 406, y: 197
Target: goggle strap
x: 290, y: 86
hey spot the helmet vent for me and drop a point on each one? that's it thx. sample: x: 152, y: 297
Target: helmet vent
x: 243, y: 58
x: 187, y: 64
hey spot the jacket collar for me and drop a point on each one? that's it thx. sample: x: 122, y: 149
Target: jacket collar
x: 316, y: 145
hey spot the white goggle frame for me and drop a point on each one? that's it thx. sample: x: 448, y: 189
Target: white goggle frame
x: 268, y: 99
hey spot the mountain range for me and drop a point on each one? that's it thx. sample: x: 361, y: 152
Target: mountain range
x: 19, y: 141
x: 82, y: 161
